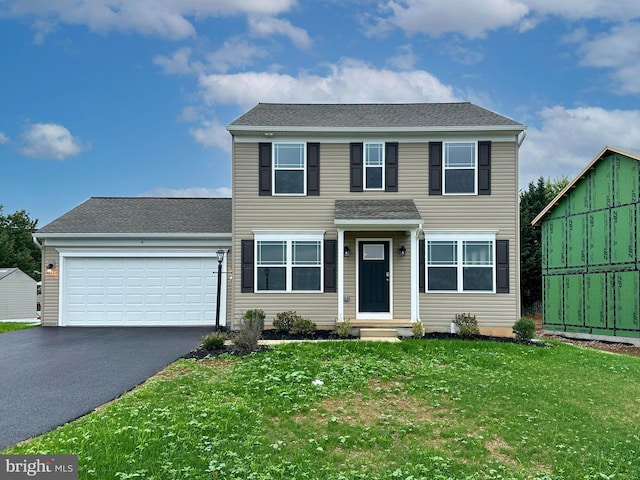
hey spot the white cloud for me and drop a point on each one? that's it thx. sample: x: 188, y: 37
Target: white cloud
x: 211, y: 133
x: 268, y: 26
x: 405, y: 59
x: 3, y: 139
x: 178, y: 63
x: 618, y: 50
x: 343, y: 83
x: 474, y: 18
x: 235, y: 53
x: 164, y: 18
x: 569, y: 139
x: 469, y: 17
x: 50, y: 141
x: 194, y: 192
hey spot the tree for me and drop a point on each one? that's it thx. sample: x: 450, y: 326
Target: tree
x: 17, y: 248
x: 532, y: 202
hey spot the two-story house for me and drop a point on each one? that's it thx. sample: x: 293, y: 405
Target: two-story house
x: 383, y: 214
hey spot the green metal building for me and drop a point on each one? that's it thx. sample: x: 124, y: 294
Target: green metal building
x: 590, y: 262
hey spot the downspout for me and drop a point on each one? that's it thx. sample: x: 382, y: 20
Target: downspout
x: 521, y: 138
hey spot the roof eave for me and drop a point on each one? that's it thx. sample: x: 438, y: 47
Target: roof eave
x: 213, y: 236
x: 379, y: 224
x: 452, y: 128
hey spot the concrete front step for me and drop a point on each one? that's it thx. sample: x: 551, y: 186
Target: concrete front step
x: 379, y: 334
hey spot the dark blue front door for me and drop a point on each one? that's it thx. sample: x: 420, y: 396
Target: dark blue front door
x: 374, y: 281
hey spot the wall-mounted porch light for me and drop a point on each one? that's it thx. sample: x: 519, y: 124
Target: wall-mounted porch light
x: 403, y: 250
x: 50, y: 268
x: 347, y: 251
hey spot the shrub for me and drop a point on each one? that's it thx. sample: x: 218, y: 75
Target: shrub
x: 467, y: 325
x: 284, y: 320
x: 255, y: 312
x: 214, y: 341
x: 302, y: 326
x: 524, y: 329
x: 343, y: 329
x: 417, y: 329
x: 246, y: 338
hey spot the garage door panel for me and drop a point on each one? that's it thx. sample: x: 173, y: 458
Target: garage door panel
x: 139, y: 291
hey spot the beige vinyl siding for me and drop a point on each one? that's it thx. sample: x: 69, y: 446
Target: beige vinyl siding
x: 50, y: 286
x: 497, y: 211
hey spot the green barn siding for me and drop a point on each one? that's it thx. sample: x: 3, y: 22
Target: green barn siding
x: 579, y: 201
x: 573, y: 300
x: 625, y: 175
x: 595, y: 289
x: 601, y: 184
x: 623, y: 233
x: 590, y: 245
x: 576, y: 240
x: 598, y: 238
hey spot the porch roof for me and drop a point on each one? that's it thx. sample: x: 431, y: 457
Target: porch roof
x: 377, y: 214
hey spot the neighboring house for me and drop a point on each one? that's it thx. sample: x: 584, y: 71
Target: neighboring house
x: 384, y: 214
x: 590, y: 258
x: 135, y: 262
x: 17, y: 296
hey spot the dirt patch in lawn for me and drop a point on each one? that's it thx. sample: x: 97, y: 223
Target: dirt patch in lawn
x: 611, y: 347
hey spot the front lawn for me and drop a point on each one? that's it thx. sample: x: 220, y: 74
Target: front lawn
x: 11, y: 326
x: 437, y: 409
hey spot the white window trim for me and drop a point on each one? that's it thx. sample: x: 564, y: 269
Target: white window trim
x: 445, y: 168
x: 364, y: 166
x: 274, y: 169
x: 459, y: 238
x: 288, y: 237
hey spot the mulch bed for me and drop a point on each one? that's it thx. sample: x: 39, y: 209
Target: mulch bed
x: 201, y: 353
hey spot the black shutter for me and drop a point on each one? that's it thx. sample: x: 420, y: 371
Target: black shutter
x: 313, y: 169
x: 502, y: 266
x: 264, y: 167
x: 330, y: 259
x: 355, y: 155
x: 246, y: 253
x: 435, y: 168
x: 391, y: 167
x: 421, y: 267
x: 484, y: 168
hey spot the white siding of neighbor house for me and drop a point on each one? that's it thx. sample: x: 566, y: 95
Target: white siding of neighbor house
x: 18, y: 297
x: 498, y: 211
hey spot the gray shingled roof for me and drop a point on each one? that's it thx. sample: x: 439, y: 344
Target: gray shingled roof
x: 145, y: 215
x: 395, y: 115
x: 376, y: 210
x: 6, y: 271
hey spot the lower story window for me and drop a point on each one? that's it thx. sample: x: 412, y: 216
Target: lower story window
x: 460, y: 263
x: 288, y: 263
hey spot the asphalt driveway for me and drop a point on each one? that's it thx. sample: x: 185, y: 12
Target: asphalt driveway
x: 52, y: 375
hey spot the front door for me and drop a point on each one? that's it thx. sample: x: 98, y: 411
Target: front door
x: 373, y: 277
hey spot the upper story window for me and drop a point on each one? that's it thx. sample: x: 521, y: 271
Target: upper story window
x: 460, y: 168
x: 374, y: 166
x: 289, y: 169
x: 460, y: 263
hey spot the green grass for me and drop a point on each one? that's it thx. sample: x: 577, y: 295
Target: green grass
x: 414, y: 410
x: 12, y: 326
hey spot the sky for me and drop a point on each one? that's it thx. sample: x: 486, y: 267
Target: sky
x: 132, y: 97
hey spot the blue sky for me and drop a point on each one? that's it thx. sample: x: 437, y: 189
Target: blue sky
x: 131, y: 98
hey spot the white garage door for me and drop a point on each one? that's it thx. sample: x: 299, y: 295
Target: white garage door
x: 140, y: 292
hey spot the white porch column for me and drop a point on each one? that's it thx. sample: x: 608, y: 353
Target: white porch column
x: 340, y: 274
x: 415, y: 271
